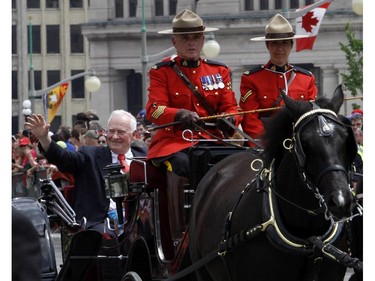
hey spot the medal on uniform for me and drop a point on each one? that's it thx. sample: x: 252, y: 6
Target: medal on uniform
x: 204, y: 83
x: 220, y: 81
x: 210, y: 86
x: 216, y: 86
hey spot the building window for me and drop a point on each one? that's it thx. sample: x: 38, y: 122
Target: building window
x: 294, y: 4
x: 132, y: 8
x: 15, y: 125
x: 119, y: 8
x: 14, y: 85
x: 263, y: 5
x: 52, y: 4
x: 53, y: 39
x: 35, y: 34
x: 76, y: 39
x: 53, y: 76
x: 78, y: 88
x: 33, y: 4
x: 172, y: 7
x: 14, y: 39
x: 14, y: 5
x: 278, y: 4
x: 249, y: 5
x: 37, y: 80
x: 76, y: 4
x: 159, y: 8
x: 309, y: 2
x: 55, y: 124
x: 134, y: 86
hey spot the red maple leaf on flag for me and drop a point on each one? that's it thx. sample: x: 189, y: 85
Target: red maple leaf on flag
x: 308, y: 21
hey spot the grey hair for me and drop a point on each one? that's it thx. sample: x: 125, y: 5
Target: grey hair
x: 121, y: 112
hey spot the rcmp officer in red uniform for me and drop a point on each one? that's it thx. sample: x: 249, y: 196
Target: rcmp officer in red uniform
x: 170, y: 98
x: 260, y: 87
x: 185, y: 88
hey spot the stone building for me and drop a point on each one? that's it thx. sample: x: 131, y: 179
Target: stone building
x: 121, y: 45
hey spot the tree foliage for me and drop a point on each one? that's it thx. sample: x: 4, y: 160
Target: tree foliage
x: 353, y: 81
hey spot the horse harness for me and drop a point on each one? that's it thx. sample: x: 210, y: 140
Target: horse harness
x: 277, y: 234
x: 315, y: 247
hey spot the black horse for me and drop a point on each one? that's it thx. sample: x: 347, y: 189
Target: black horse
x: 263, y: 212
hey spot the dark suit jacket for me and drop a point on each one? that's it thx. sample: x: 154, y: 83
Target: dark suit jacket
x: 86, y: 164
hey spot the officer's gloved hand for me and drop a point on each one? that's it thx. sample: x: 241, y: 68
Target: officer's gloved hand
x: 223, y: 126
x: 187, y: 118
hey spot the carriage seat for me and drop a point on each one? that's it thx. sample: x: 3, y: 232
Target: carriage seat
x: 142, y: 171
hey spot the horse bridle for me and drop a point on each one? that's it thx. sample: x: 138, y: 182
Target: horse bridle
x: 294, y: 145
x: 325, y: 131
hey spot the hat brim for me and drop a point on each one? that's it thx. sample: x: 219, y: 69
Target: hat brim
x: 263, y: 38
x: 170, y: 31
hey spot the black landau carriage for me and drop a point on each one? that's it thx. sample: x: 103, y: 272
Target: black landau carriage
x: 143, y: 248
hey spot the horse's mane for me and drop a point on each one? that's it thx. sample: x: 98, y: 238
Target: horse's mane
x: 280, y: 127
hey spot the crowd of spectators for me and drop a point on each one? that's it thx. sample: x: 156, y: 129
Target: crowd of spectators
x: 87, y: 130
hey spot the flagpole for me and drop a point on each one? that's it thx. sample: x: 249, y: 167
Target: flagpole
x: 300, y: 12
x: 31, y: 69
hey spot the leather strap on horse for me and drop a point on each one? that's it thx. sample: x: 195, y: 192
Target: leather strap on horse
x: 209, y: 108
x: 221, y: 250
x: 336, y: 254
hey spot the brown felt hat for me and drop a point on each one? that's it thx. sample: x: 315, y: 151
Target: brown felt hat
x: 278, y: 28
x: 187, y: 22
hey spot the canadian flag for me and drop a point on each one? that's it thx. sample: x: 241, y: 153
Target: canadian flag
x: 309, y: 24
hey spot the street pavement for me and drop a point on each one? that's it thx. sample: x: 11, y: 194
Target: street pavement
x: 56, y: 238
x: 59, y: 261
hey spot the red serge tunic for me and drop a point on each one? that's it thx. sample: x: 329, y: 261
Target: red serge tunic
x: 260, y: 88
x: 168, y: 93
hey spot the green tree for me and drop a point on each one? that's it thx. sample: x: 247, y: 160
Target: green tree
x: 353, y: 81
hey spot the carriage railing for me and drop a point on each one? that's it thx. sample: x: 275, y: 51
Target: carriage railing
x: 188, y: 135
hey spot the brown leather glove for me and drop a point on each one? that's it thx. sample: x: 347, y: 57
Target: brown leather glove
x: 187, y: 118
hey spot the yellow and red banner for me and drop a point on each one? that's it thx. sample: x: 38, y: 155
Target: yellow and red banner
x: 52, y: 101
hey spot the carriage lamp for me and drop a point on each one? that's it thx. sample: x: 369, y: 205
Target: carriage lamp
x: 116, y: 183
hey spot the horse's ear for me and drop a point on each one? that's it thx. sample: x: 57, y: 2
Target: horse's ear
x: 337, y: 98
x: 290, y: 104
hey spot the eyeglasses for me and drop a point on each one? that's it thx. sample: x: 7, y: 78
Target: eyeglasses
x: 120, y: 133
x: 102, y: 141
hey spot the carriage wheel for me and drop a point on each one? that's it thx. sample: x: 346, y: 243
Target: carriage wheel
x: 131, y: 276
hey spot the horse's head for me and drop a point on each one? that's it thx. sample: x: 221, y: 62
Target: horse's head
x: 324, y: 149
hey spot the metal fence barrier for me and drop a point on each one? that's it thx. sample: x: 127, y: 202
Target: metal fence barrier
x: 24, y: 186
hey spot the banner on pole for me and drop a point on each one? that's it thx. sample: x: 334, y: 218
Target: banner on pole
x: 52, y: 101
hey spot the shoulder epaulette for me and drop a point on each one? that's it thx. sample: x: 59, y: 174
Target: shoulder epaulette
x: 302, y: 70
x: 161, y: 64
x: 215, y: 63
x: 253, y: 70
